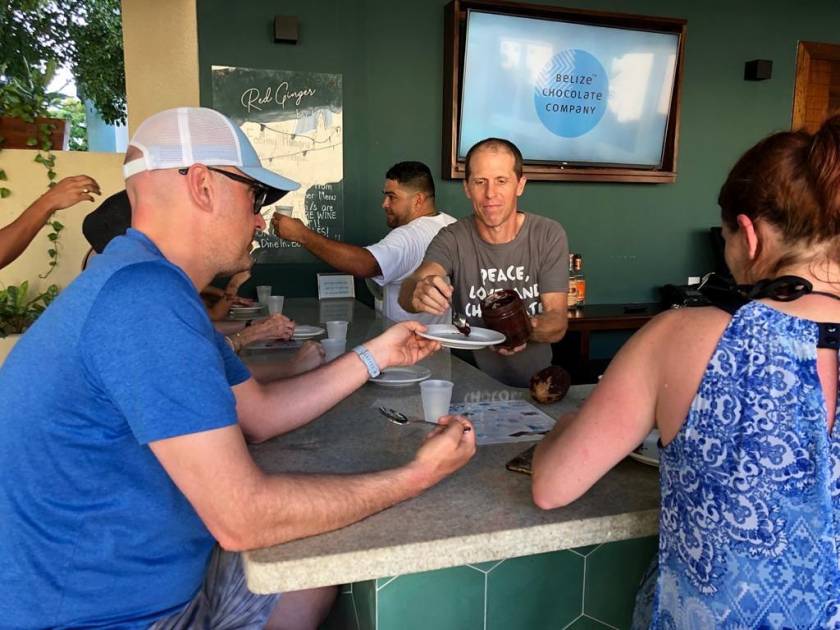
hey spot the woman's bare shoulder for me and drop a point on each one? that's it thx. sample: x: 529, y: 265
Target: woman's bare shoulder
x: 695, y: 320
x: 679, y: 336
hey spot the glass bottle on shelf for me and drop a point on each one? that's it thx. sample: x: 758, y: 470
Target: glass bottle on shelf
x: 572, y: 295
x: 580, y: 281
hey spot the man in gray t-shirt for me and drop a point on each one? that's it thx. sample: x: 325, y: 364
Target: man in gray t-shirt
x: 497, y: 248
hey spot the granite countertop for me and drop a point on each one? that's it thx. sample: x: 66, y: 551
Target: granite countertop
x: 483, y: 512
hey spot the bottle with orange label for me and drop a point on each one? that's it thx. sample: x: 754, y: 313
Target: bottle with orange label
x: 572, y: 295
x: 580, y: 281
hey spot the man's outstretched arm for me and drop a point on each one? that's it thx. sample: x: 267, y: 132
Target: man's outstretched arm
x: 245, y: 508
x: 15, y: 237
x: 342, y: 256
x: 266, y: 410
x: 426, y: 290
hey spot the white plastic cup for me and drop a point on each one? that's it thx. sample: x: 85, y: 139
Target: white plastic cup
x: 333, y: 348
x: 285, y: 210
x: 275, y: 304
x: 337, y: 329
x: 263, y: 293
x: 435, y: 395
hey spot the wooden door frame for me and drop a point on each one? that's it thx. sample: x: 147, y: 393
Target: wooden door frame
x: 804, y: 53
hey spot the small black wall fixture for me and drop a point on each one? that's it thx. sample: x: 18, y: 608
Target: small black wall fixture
x: 285, y: 29
x: 758, y: 70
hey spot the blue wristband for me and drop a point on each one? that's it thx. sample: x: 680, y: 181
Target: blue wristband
x: 368, y: 360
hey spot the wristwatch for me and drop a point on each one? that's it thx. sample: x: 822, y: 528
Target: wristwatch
x: 368, y: 360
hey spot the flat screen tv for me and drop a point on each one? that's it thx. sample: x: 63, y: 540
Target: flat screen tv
x: 583, y: 95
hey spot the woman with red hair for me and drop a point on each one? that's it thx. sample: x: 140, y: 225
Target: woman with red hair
x: 744, y: 395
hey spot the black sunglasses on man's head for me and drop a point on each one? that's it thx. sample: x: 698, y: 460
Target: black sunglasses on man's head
x: 260, y: 190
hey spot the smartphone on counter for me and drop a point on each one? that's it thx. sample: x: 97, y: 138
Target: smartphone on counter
x: 522, y: 462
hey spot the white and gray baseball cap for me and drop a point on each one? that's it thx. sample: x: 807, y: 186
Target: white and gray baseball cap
x: 181, y: 137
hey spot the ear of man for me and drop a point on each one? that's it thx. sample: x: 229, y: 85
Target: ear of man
x: 201, y: 187
x: 520, y: 185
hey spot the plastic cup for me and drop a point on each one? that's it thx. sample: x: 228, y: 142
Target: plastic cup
x: 337, y: 329
x: 275, y: 304
x: 285, y: 210
x: 263, y: 293
x: 435, y: 395
x: 333, y: 348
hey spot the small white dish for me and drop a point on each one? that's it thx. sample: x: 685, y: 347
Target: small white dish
x: 402, y: 376
x: 648, y: 451
x: 304, y: 331
x: 247, y: 312
x: 450, y: 337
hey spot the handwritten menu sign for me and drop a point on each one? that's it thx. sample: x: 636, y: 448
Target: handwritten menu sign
x: 295, y: 122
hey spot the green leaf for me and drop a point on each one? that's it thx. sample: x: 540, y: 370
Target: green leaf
x: 52, y: 253
x: 39, y: 158
x: 31, y: 142
x: 51, y: 174
x: 4, y: 192
x: 52, y: 236
x: 3, y: 175
x: 57, y: 226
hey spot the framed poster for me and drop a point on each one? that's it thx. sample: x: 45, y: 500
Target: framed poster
x: 295, y: 122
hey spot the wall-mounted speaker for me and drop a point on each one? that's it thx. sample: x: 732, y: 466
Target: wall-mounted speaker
x: 758, y: 70
x: 285, y: 29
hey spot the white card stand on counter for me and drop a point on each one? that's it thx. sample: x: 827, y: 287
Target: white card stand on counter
x: 335, y: 285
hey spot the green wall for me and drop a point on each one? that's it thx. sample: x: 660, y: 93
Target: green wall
x: 633, y: 237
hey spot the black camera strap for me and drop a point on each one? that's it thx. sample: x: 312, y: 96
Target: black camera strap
x: 725, y: 294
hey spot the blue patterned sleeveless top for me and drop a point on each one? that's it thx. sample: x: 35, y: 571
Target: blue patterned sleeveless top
x: 748, y: 530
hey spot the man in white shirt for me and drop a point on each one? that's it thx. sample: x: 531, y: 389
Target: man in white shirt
x: 410, y: 211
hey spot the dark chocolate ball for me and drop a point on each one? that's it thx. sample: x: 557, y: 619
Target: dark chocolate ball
x: 550, y: 384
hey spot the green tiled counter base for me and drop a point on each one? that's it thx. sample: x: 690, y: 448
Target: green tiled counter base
x: 576, y: 589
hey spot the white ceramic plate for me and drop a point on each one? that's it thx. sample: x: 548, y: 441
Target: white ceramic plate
x: 450, y: 337
x: 648, y: 451
x: 304, y: 331
x: 247, y: 312
x: 401, y: 376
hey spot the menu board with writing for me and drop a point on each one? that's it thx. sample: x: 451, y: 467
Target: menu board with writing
x: 294, y: 121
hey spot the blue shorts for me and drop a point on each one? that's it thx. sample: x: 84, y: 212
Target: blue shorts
x: 224, y: 601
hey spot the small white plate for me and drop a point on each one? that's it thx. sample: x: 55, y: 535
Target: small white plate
x: 450, y: 337
x: 401, y: 376
x: 304, y: 331
x: 247, y: 312
x: 648, y: 451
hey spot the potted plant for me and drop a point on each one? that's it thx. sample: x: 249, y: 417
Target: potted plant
x: 82, y: 36
x: 18, y: 311
x: 25, y: 122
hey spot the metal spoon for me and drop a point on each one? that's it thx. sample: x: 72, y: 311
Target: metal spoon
x: 400, y: 418
x: 459, y: 320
